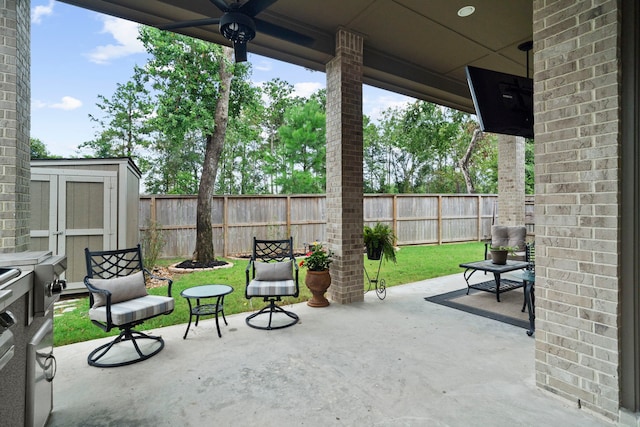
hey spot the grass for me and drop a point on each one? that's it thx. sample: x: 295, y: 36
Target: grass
x: 415, y: 263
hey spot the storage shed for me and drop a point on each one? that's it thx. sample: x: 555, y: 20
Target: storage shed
x: 79, y: 203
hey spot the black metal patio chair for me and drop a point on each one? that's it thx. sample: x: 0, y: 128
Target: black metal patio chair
x: 270, y: 276
x: 118, y: 298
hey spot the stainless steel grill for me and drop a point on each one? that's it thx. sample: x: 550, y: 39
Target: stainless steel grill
x: 30, y: 283
x: 7, y: 319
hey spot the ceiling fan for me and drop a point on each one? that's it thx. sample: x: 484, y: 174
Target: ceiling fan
x: 239, y: 25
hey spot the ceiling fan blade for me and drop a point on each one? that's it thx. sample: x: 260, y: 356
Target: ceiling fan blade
x: 282, y: 33
x: 193, y: 23
x: 221, y: 4
x: 254, y: 7
x: 240, y: 51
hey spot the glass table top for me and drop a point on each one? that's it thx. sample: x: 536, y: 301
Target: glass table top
x: 206, y: 291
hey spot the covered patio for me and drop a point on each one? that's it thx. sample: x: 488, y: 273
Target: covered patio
x: 402, y: 361
x: 586, y: 71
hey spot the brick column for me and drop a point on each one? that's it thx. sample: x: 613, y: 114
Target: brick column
x: 344, y: 169
x: 577, y: 92
x: 15, y: 94
x: 511, y: 188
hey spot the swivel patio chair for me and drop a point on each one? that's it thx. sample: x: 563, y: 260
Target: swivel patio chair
x: 118, y: 297
x: 270, y: 276
x: 509, y: 236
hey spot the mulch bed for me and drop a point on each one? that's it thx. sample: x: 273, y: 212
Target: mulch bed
x: 187, y: 266
x: 190, y: 264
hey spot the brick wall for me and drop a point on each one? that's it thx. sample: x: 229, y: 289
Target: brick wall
x: 14, y: 132
x: 511, y: 176
x: 344, y: 178
x: 577, y: 115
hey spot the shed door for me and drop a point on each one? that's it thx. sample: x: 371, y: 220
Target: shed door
x: 72, y: 210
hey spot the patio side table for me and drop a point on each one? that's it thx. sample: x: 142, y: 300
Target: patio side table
x: 496, y: 286
x: 206, y: 291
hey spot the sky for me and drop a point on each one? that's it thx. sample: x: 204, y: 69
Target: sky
x: 77, y: 55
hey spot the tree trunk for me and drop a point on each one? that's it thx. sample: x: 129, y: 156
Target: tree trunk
x: 204, y: 251
x: 464, y: 161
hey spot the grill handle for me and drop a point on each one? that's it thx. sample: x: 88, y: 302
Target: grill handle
x: 7, y: 320
x: 56, y: 287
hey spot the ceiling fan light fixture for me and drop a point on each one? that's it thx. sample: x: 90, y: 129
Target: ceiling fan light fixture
x: 237, y: 27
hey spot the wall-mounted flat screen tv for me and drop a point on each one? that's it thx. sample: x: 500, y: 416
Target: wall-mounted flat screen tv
x: 503, y: 102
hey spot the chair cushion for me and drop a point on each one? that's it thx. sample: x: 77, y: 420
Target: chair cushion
x: 122, y: 288
x: 276, y: 271
x: 260, y: 288
x: 503, y: 235
x: 510, y: 235
x: 134, y: 309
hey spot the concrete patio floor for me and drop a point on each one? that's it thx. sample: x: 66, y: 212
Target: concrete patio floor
x: 402, y: 361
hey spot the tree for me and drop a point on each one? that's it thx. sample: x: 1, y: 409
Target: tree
x: 176, y: 167
x: 123, y: 128
x: 466, y: 160
x: 529, y: 177
x: 418, y: 136
x: 193, y: 82
x: 241, y: 162
x: 278, y: 98
x: 39, y: 150
x: 240, y: 170
x: 303, y: 137
x: 376, y: 165
x: 423, y: 144
x: 204, y: 234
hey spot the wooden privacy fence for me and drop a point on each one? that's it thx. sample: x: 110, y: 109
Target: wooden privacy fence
x: 415, y: 218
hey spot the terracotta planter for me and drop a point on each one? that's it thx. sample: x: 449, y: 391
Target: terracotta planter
x: 318, y: 282
x: 499, y: 257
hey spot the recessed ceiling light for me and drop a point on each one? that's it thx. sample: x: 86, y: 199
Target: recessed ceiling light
x: 466, y: 11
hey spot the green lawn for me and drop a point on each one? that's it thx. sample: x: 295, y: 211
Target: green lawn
x: 415, y: 263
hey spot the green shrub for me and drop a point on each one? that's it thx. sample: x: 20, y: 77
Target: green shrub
x: 152, y: 242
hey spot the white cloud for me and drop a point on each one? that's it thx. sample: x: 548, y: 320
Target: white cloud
x: 305, y: 89
x: 125, y: 34
x: 38, y: 12
x: 375, y: 106
x: 37, y: 104
x: 67, y: 103
x: 263, y: 65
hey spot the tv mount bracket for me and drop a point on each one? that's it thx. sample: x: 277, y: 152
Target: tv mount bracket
x: 526, y: 47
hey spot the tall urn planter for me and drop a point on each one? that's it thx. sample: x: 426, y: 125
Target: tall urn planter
x: 318, y: 282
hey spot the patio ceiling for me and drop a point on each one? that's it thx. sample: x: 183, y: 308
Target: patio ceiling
x: 417, y: 48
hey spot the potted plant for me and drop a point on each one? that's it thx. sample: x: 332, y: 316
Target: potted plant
x: 318, y: 278
x: 379, y: 241
x: 499, y: 254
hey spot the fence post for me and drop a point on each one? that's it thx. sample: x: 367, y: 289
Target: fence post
x: 439, y: 219
x: 289, y: 217
x: 225, y: 226
x: 394, y: 216
x: 152, y: 209
x: 479, y: 199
